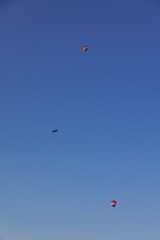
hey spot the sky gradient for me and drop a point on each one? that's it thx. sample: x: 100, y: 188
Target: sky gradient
x: 106, y: 106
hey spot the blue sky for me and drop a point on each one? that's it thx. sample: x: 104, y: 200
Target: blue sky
x: 106, y: 105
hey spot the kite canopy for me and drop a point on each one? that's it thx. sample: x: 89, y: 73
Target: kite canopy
x: 113, y: 203
x: 85, y: 48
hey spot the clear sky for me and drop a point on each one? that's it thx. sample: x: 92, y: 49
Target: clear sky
x: 106, y: 105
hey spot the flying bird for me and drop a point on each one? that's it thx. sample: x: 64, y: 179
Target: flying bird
x: 55, y: 130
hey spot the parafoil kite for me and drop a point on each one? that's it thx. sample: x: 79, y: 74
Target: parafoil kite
x: 85, y: 48
x: 113, y: 203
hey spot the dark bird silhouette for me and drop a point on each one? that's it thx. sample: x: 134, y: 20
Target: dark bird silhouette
x: 55, y: 130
